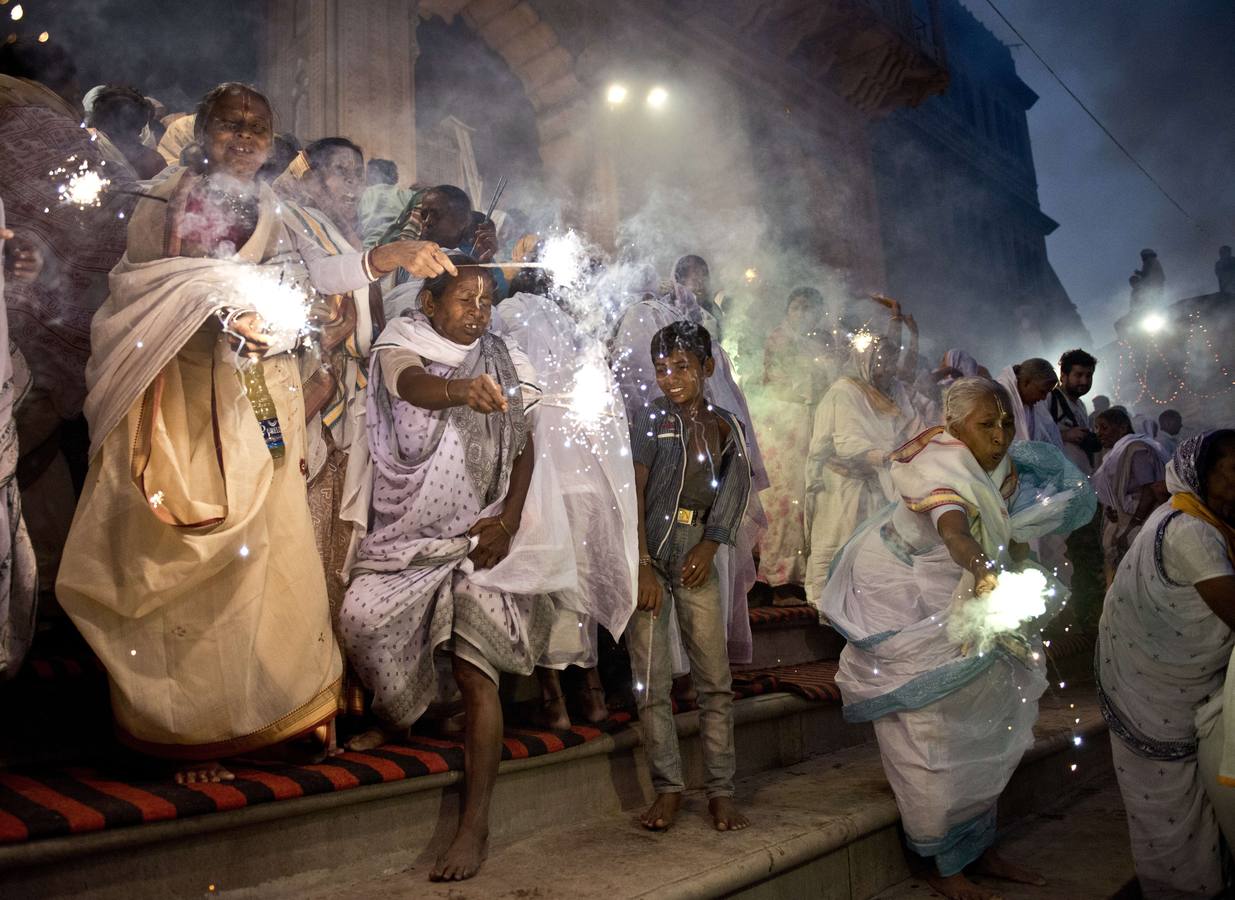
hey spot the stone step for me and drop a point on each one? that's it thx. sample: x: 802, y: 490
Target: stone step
x: 823, y: 827
x: 790, y: 636
x: 252, y: 845
x: 1091, y: 817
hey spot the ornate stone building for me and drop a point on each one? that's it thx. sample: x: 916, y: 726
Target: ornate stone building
x: 964, y: 235
x: 768, y: 114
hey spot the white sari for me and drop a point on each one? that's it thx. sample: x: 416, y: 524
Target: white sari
x: 952, y: 723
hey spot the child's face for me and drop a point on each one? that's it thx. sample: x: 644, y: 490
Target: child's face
x: 464, y: 310
x: 680, y: 376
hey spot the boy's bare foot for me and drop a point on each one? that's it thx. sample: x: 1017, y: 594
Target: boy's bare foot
x: 210, y: 772
x: 995, y: 866
x: 592, y: 698
x: 958, y: 887
x: 463, y: 858
x: 660, y: 815
x: 725, y: 814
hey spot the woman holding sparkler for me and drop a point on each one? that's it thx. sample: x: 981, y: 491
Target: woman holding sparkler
x: 1164, y: 648
x: 952, y: 697
x: 451, y: 459
x: 185, y: 566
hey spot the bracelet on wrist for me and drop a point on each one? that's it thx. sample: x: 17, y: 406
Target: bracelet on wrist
x: 502, y: 523
x: 645, y: 561
x: 449, y: 399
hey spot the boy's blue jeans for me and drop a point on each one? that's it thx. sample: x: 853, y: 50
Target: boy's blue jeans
x: 704, y: 636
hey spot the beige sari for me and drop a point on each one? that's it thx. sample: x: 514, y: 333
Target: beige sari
x: 190, y: 567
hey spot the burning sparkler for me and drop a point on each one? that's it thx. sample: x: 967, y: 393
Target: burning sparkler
x: 82, y: 186
x: 1017, y: 598
x: 861, y: 340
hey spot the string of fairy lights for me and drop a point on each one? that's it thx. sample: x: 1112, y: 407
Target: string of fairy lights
x: 1140, y: 370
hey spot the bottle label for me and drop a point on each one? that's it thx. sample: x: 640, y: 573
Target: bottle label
x: 272, y: 434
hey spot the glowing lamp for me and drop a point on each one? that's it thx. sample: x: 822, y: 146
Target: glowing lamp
x: 657, y: 98
x: 16, y: 13
x: 751, y: 275
x: 616, y: 94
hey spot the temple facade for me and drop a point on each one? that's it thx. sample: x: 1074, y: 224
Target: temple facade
x: 963, y: 232
x: 777, y: 97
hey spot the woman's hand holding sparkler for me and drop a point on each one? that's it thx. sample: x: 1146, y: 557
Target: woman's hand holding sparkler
x: 984, y: 582
x: 424, y: 259
x: 480, y: 393
x: 246, y: 328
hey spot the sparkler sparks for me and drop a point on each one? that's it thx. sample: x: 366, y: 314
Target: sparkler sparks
x: 1017, y: 598
x: 279, y: 301
x: 861, y: 340
x: 82, y: 186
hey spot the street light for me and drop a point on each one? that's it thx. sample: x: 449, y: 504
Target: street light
x: 657, y: 97
x: 616, y: 94
x: 1153, y: 323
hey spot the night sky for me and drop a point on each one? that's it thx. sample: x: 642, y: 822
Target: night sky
x: 1160, y: 74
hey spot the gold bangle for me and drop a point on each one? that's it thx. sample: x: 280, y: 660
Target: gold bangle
x: 509, y: 533
x: 449, y: 399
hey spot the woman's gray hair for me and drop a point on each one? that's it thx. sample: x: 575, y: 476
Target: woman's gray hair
x: 1036, y: 369
x: 964, y: 394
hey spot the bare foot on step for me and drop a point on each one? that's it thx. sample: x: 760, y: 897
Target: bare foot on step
x: 958, y: 887
x: 725, y: 815
x: 995, y: 866
x: 369, y: 740
x: 464, y: 857
x: 660, y: 815
x: 211, y: 772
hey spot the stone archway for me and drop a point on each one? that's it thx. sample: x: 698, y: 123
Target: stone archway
x: 335, y: 67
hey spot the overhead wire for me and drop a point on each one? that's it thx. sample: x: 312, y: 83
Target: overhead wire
x: 1081, y: 103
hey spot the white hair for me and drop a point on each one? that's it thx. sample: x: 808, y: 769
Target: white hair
x: 964, y: 394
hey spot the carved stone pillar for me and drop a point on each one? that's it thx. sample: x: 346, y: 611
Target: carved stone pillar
x: 345, y: 67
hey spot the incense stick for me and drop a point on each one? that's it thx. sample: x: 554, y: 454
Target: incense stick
x: 505, y: 265
x: 497, y: 194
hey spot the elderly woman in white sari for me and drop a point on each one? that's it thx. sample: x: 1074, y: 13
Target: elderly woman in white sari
x: 189, y: 567
x: 1164, y: 647
x: 859, y: 422
x: 952, y: 695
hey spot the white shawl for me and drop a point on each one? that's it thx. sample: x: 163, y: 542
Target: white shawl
x: 1034, y: 423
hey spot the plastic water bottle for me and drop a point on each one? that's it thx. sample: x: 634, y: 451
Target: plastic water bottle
x: 264, y: 408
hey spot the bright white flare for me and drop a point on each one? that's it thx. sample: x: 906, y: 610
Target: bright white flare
x: 565, y: 256
x: 616, y: 94
x: 83, y: 186
x: 17, y: 13
x: 862, y: 340
x: 589, y: 396
x: 281, y: 303
x: 658, y: 97
x: 751, y: 275
x: 1153, y: 323
x: 1016, y: 598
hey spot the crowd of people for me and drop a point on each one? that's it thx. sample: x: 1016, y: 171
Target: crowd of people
x: 280, y: 540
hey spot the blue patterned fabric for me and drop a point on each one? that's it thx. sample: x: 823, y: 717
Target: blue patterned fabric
x: 923, y: 690
x: 1042, y: 472
x: 962, y: 845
